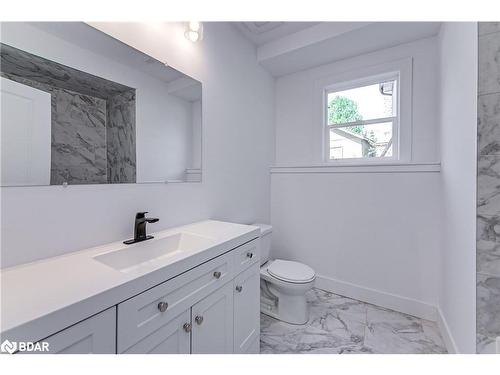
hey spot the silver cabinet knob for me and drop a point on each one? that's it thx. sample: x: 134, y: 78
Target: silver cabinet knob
x: 187, y: 327
x: 250, y: 255
x: 162, y: 306
x: 199, y: 319
x: 217, y: 274
x: 239, y: 288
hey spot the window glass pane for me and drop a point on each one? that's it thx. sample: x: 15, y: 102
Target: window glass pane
x: 362, y: 103
x: 366, y: 141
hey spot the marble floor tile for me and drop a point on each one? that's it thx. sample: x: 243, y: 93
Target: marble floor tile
x: 388, y: 331
x: 485, y: 344
x: 344, y: 307
x: 341, y: 325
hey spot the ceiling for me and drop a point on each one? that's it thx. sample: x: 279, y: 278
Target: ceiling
x: 287, y: 47
x: 265, y: 31
x: 281, y: 47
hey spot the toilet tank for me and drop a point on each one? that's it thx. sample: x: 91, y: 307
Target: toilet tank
x: 265, y: 241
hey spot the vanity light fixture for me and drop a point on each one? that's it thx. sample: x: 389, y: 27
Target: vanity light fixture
x: 194, y: 31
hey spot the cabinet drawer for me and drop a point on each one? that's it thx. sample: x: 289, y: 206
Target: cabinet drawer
x: 140, y: 316
x: 246, y: 255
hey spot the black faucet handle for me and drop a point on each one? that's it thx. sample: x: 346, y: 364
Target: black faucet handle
x: 141, y: 215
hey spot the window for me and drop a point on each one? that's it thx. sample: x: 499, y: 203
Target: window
x: 362, y: 120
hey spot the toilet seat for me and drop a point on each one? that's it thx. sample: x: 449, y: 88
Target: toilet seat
x: 292, y: 272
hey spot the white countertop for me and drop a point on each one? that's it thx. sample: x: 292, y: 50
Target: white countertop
x: 42, y: 297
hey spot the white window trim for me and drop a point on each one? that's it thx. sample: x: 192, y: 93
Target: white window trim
x: 400, y: 70
x: 394, y: 120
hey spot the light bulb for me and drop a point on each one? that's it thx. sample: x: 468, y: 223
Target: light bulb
x: 194, y: 31
x: 194, y: 26
x: 193, y: 36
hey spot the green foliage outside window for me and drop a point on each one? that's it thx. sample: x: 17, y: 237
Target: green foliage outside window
x: 342, y: 110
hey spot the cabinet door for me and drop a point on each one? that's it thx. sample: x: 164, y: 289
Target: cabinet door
x: 212, y: 320
x: 173, y: 337
x: 140, y: 316
x: 96, y: 334
x: 247, y: 311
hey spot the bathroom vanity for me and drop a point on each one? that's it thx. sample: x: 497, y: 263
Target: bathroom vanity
x: 191, y: 289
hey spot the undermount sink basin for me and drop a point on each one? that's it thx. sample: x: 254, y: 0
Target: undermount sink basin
x: 142, y: 253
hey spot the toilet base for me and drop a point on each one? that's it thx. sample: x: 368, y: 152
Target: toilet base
x: 284, y: 301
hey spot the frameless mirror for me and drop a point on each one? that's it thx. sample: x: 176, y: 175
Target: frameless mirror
x: 80, y: 107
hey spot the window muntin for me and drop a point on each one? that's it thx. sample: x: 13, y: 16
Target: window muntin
x: 362, y: 121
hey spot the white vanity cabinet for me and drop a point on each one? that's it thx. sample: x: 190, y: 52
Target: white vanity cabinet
x: 205, y: 302
x: 96, y: 335
x: 212, y: 308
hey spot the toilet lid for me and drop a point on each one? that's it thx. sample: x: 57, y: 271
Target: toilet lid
x: 293, y: 272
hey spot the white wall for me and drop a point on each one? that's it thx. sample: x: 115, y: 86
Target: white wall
x: 371, y: 236
x: 297, y: 109
x: 39, y: 222
x: 458, y: 67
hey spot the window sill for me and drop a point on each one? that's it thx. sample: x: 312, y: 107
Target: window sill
x: 360, y: 168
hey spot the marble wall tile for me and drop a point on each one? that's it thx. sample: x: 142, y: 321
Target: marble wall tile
x: 488, y: 124
x: 488, y: 307
x: 489, y: 63
x: 93, y: 119
x: 75, y: 125
x: 121, y: 138
x: 488, y: 188
x: 24, y: 64
x: 488, y: 185
x: 488, y: 27
x: 78, y: 147
x: 488, y: 245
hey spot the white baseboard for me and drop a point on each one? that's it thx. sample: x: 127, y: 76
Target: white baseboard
x: 376, y: 297
x: 451, y: 346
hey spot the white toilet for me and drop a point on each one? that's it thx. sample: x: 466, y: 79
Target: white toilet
x: 283, y: 284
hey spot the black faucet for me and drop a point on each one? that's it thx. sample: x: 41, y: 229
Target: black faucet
x: 140, y: 228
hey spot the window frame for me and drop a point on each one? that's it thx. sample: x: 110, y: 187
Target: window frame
x: 394, y: 120
x: 401, y: 70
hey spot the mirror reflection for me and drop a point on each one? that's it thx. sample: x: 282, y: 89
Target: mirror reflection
x: 80, y: 107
